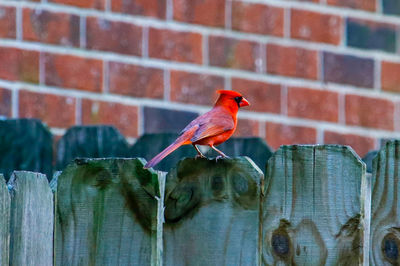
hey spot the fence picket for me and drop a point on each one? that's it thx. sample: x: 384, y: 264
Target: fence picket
x: 312, y: 212
x: 32, y: 219
x: 385, y: 206
x: 107, y: 213
x: 212, y: 213
x: 4, y: 222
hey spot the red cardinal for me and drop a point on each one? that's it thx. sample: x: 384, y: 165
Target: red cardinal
x: 211, y: 128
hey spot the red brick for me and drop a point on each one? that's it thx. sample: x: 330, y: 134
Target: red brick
x: 205, y: 12
x: 247, y: 128
x: 48, y: 27
x: 124, y: 117
x: 313, y: 104
x: 55, y: 110
x: 233, y: 53
x: 19, y: 65
x: 152, y: 8
x: 257, y: 18
x: 7, y: 22
x: 175, y: 45
x: 5, y: 102
x: 94, y: 4
x: 136, y: 81
x: 369, y: 112
x: 390, y: 76
x: 113, y: 36
x: 362, y: 145
x: 292, y: 61
x: 280, y: 134
x: 195, y: 88
x: 369, y: 5
x: 73, y: 72
x: 316, y: 27
x: 263, y: 97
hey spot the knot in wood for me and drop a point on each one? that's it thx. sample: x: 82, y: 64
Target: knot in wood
x: 281, y: 244
x: 390, y: 248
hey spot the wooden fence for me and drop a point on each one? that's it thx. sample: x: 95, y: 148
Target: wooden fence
x: 313, y: 205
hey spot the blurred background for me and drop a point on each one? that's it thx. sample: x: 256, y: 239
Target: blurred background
x: 317, y: 71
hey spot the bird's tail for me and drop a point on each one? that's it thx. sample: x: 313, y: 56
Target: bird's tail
x: 175, y: 145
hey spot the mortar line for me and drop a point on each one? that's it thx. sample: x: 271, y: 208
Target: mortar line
x: 167, y: 85
x: 286, y: 22
x: 145, y: 42
x: 106, y: 77
x: 377, y: 75
x: 227, y: 83
x: 320, y: 136
x: 15, y: 103
x: 169, y: 10
x: 342, y: 109
x: 228, y: 14
x: 78, y: 111
x: 284, y: 100
x: 18, y: 23
x: 205, y: 50
x: 82, y: 32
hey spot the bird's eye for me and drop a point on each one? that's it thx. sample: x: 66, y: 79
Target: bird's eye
x: 238, y: 99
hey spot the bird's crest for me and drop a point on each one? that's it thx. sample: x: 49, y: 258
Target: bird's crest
x: 231, y: 93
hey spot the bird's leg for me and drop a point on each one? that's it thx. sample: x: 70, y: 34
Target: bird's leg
x: 222, y: 155
x: 199, y: 154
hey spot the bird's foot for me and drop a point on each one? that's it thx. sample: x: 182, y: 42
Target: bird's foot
x: 221, y: 157
x: 198, y: 156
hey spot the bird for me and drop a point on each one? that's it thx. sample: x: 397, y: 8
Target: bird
x: 211, y: 128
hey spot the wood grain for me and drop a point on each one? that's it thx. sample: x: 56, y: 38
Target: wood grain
x: 312, y: 208
x: 107, y: 213
x: 4, y: 223
x: 385, y: 206
x: 212, y: 212
x: 32, y: 217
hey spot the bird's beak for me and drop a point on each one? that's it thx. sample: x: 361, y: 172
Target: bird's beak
x: 244, y: 102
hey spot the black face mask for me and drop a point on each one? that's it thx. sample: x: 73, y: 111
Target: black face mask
x: 238, y: 100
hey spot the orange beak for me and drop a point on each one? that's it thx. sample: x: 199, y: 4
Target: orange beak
x: 244, y: 102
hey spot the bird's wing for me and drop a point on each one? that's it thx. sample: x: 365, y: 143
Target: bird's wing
x: 213, y: 123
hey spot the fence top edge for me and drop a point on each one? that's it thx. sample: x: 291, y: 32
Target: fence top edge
x: 345, y: 149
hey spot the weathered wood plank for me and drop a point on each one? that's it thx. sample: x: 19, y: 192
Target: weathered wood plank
x: 212, y: 213
x: 25, y: 144
x: 4, y: 223
x: 96, y: 141
x: 32, y: 219
x: 107, y: 213
x: 312, y: 211
x: 385, y: 206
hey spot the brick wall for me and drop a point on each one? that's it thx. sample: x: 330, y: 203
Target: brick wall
x: 317, y: 71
